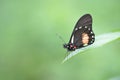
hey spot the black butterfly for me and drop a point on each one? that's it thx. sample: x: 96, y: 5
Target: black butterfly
x: 82, y: 34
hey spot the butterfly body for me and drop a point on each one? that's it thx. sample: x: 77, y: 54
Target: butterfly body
x: 82, y: 34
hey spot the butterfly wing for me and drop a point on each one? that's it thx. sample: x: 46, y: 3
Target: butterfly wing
x: 83, y: 26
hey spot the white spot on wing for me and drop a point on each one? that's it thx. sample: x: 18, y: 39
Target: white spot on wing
x: 85, y: 44
x: 72, y: 39
x: 88, y: 28
x: 91, y: 41
x: 76, y: 28
x: 80, y: 27
x: 85, y: 26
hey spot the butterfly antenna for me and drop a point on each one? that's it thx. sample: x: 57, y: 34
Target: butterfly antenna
x: 60, y: 38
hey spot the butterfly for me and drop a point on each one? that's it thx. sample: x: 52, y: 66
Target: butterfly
x: 82, y: 34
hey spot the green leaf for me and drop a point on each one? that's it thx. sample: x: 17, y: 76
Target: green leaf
x: 99, y: 41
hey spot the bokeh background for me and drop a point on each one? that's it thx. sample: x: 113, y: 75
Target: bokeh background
x: 31, y: 50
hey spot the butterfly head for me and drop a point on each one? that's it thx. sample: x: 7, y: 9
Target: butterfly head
x: 65, y: 45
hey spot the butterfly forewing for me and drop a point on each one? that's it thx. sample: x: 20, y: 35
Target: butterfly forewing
x: 82, y: 33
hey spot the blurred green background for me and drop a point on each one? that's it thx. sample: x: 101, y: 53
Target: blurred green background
x: 31, y: 50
